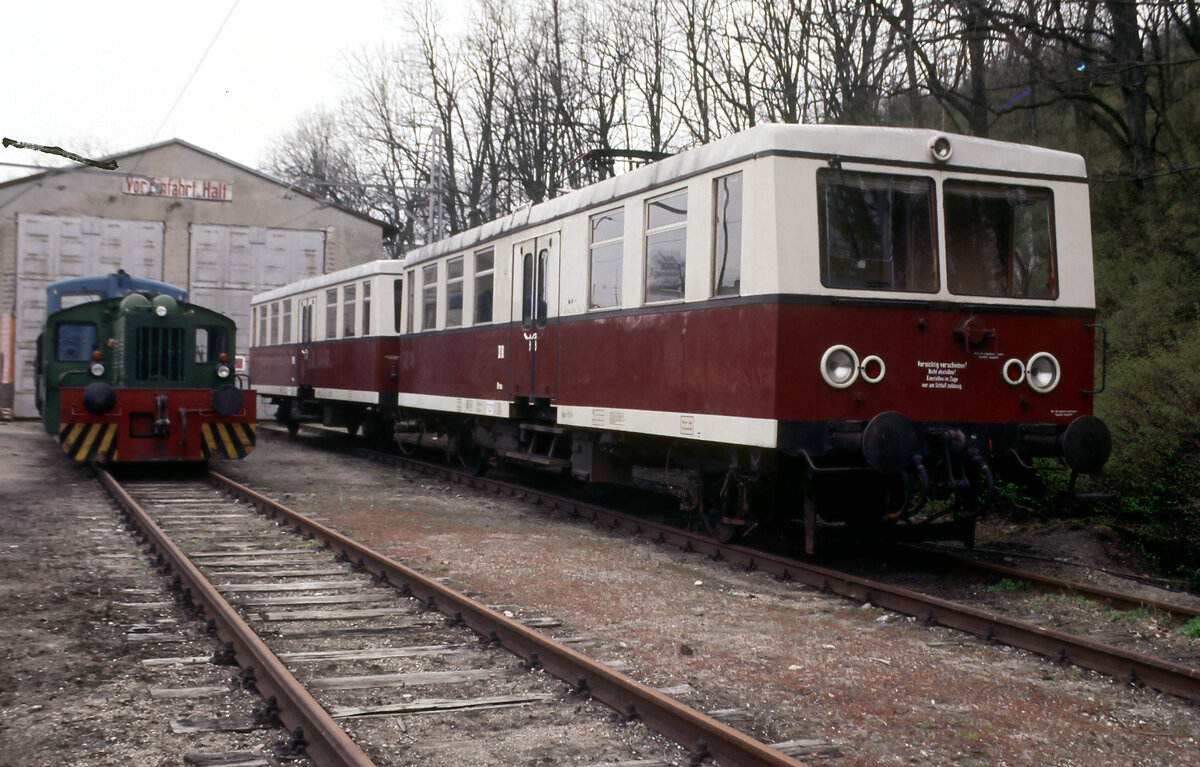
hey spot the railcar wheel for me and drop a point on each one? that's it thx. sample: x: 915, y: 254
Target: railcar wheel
x: 293, y: 427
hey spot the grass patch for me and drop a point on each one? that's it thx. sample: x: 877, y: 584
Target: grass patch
x: 1191, y: 628
x: 1007, y: 584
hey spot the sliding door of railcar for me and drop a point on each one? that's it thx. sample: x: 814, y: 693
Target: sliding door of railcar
x: 534, y: 341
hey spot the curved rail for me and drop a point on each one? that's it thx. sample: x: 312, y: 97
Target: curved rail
x: 325, y: 743
x: 690, y: 728
x: 1132, y: 667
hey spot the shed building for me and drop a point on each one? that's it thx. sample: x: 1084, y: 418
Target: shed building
x: 172, y: 212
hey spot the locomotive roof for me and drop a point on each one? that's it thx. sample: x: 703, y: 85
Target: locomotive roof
x: 907, y: 147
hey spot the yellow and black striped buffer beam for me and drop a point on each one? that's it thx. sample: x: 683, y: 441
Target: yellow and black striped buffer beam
x: 88, y: 441
x: 227, y: 440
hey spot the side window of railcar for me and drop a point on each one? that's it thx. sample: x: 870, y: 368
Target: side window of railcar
x: 666, y: 247
x: 429, y: 297
x: 262, y: 325
x: 348, y: 303
x: 454, y: 292
x: 485, y: 262
x: 727, y: 235
x: 877, y: 231
x: 1000, y: 240
x: 398, y: 301
x: 366, y: 312
x: 306, y: 319
x: 412, y: 298
x: 286, y: 321
x: 607, y: 233
x: 331, y: 316
x: 275, y: 323
x: 74, y: 341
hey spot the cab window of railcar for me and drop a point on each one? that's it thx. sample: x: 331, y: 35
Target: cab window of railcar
x: 286, y: 321
x: 484, y: 271
x: 666, y: 247
x: 331, y: 315
x: 366, y: 312
x: 727, y: 235
x: 454, y: 292
x: 398, y: 301
x: 74, y: 341
x: 274, y: 323
x: 349, y: 302
x: 1000, y: 240
x: 876, y: 231
x: 429, y: 297
x: 607, y: 233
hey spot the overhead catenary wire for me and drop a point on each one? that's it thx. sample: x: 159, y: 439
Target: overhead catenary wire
x: 196, y: 69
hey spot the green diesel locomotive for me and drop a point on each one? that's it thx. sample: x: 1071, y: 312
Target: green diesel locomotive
x: 131, y: 372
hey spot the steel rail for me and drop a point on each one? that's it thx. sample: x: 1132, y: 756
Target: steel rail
x: 1116, y: 599
x: 325, y: 743
x: 707, y: 737
x: 1061, y: 647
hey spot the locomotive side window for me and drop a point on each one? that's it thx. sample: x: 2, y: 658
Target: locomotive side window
x: 349, y: 300
x: 275, y: 323
x: 727, y: 236
x: 485, y: 262
x: 604, y: 257
x: 666, y: 247
x: 366, y: 312
x: 877, y: 231
x: 286, y: 321
x: 74, y: 341
x: 211, y: 342
x: 429, y: 280
x: 454, y: 292
x: 331, y: 313
x: 1000, y: 240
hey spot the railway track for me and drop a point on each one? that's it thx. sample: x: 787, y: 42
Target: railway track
x: 1130, y: 666
x: 341, y: 642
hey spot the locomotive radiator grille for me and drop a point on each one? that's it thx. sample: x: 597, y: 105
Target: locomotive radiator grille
x: 227, y: 440
x: 159, y: 354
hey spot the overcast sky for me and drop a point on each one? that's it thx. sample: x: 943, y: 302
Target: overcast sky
x: 100, y: 77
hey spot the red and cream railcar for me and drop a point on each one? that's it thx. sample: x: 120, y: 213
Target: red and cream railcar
x: 848, y: 320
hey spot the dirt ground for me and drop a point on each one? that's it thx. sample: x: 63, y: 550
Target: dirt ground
x: 72, y: 690
x: 885, y: 690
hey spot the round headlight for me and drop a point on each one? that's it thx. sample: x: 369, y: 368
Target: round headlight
x: 940, y: 148
x: 1042, y: 372
x: 96, y: 369
x: 160, y: 310
x: 839, y: 366
x: 222, y: 371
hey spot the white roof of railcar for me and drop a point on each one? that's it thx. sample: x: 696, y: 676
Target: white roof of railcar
x: 316, y: 282
x: 851, y: 143
x: 906, y: 147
